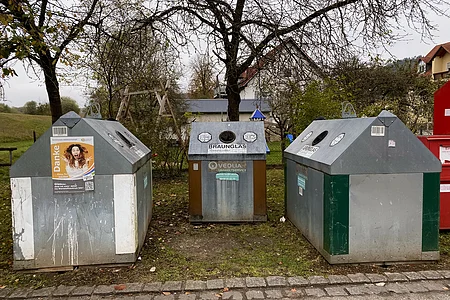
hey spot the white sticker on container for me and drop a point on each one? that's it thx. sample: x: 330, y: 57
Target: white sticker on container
x: 447, y: 112
x: 444, y: 154
x: 195, y: 166
x: 445, y: 188
x: 227, y: 148
x: 307, y: 151
x: 59, y: 131
x: 391, y: 144
x: 377, y: 131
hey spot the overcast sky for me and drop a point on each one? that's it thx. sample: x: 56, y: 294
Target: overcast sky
x: 21, y: 89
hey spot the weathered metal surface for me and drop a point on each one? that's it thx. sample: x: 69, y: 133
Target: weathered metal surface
x: 144, y: 192
x: 222, y: 174
x: 22, y: 218
x: 104, y: 226
x: 227, y: 196
x: 378, y: 210
x: 73, y: 229
x: 253, y: 150
x: 385, y: 217
x: 380, y: 144
x: 118, y: 156
x: 304, y: 206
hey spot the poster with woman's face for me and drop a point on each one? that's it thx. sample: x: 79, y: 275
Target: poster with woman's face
x: 73, y: 167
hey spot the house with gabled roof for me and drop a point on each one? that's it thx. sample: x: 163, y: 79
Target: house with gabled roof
x: 285, y: 63
x: 436, y: 63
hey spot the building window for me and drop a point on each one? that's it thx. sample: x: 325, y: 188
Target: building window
x: 421, y: 67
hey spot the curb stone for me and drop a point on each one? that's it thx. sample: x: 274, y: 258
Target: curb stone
x: 270, y: 287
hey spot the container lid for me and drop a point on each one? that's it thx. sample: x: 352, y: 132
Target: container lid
x: 373, y: 145
x: 114, y: 149
x: 224, y: 140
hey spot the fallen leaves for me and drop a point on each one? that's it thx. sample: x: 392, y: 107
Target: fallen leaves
x: 120, y: 287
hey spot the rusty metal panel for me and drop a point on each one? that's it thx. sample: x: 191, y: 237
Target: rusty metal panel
x: 195, y: 189
x: 385, y: 217
x: 259, y: 187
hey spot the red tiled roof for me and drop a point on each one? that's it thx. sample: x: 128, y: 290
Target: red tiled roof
x: 436, y: 50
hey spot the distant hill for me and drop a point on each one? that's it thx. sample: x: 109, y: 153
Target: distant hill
x: 20, y: 127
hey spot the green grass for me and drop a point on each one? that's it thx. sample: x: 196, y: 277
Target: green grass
x: 20, y: 127
x: 275, y: 156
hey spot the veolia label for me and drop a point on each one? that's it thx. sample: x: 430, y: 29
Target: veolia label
x: 227, y: 166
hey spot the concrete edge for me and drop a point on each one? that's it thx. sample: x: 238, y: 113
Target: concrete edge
x: 221, y: 284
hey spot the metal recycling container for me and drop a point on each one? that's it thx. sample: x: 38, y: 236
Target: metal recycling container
x: 81, y: 195
x: 364, y: 190
x: 227, y: 172
x: 439, y: 145
x: 441, y: 110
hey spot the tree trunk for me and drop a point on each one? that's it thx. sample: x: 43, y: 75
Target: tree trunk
x: 234, y: 99
x: 52, y: 86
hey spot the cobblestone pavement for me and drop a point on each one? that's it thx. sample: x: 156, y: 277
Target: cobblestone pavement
x: 398, y: 286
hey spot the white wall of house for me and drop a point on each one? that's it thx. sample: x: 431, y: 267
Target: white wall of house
x: 421, y: 67
x: 249, y: 92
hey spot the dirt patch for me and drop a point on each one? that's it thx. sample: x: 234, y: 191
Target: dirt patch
x: 203, y: 246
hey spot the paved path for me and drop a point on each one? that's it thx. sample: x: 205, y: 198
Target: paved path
x: 406, y: 285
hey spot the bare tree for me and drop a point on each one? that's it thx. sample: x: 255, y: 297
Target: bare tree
x: 202, y: 80
x: 137, y: 60
x: 279, y: 75
x: 242, y: 30
x: 40, y: 32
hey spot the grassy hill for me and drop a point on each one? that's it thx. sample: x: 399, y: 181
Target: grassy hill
x: 16, y: 130
x: 20, y: 127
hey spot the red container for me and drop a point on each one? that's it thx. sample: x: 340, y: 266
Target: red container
x: 441, y: 115
x: 440, y: 146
